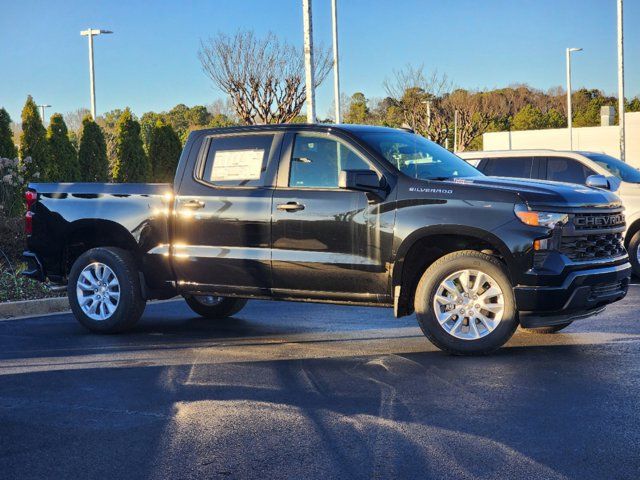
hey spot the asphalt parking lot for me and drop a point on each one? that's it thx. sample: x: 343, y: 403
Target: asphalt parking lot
x: 289, y: 390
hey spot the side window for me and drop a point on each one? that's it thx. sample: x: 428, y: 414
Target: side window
x: 317, y: 161
x: 567, y: 170
x: 518, y: 167
x: 236, y: 160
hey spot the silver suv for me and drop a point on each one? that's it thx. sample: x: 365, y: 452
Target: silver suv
x: 572, y: 167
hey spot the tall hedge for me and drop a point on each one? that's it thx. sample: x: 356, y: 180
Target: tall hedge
x: 164, y: 152
x: 7, y: 147
x: 33, y: 141
x: 64, y: 158
x: 92, y: 154
x: 131, y: 163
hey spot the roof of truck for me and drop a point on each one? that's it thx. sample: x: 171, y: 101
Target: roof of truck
x: 347, y: 127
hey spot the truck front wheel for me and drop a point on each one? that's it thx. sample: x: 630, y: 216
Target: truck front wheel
x: 104, y: 290
x: 210, y: 306
x: 464, y: 304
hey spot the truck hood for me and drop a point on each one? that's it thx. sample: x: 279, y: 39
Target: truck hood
x: 541, y: 193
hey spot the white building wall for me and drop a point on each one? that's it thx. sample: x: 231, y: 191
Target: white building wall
x: 596, y: 139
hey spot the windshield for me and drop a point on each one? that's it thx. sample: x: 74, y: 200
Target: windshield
x: 418, y: 157
x: 623, y: 171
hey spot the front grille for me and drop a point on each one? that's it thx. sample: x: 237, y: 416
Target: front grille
x: 587, y: 247
x: 597, y: 221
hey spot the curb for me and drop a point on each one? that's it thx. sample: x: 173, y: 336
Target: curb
x: 41, y: 306
x: 45, y: 306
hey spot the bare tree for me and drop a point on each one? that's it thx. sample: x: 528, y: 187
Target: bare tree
x: 74, y: 119
x: 263, y: 77
x: 475, y: 110
x: 418, y: 98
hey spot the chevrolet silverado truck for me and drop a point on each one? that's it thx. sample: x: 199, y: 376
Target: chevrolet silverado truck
x: 346, y: 214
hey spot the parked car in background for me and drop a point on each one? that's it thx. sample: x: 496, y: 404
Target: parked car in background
x: 571, y: 167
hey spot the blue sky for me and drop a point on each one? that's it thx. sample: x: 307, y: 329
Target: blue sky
x: 151, y: 63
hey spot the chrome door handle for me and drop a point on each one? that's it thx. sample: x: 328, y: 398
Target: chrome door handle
x: 290, y: 206
x: 192, y: 204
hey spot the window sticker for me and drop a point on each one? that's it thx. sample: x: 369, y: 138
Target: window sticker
x: 237, y: 165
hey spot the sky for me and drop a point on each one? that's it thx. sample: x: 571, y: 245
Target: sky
x: 151, y: 63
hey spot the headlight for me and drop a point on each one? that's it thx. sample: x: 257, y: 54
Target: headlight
x: 539, y: 219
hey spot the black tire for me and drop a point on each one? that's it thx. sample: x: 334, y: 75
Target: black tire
x: 427, y: 288
x: 131, y: 303
x: 632, y: 248
x: 225, y: 307
x: 546, y: 330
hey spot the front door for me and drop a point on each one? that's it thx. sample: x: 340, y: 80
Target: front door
x: 222, y: 226
x: 326, y: 241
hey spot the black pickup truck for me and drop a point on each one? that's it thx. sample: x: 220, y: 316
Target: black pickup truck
x: 347, y: 214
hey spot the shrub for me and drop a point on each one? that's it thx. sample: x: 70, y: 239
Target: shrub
x: 164, y: 152
x: 13, y: 180
x: 64, y: 159
x: 7, y: 147
x: 33, y: 141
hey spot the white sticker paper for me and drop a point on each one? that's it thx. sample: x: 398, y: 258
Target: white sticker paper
x: 237, y: 165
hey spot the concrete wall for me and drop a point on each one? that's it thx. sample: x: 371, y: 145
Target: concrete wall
x: 597, y: 139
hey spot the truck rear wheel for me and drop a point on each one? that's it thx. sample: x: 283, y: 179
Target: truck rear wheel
x: 104, y: 290
x: 210, y: 306
x: 465, y: 305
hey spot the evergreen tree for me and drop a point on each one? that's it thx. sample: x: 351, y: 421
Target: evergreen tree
x: 358, y: 109
x: 64, y: 158
x: 164, y: 152
x: 528, y: 118
x: 131, y: 164
x: 92, y: 154
x: 33, y: 141
x: 7, y: 148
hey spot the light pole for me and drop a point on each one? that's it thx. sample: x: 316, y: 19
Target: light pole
x: 569, y: 112
x: 42, y: 107
x: 308, y: 60
x: 91, y: 33
x: 336, y: 69
x: 621, y: 81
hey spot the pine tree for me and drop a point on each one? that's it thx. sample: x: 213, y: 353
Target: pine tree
x: 131, y: 164
x: 7, y: 147
x: 64, y: 158
x: 92, y: 154
x: 33, y: 141
x: 164, y: 152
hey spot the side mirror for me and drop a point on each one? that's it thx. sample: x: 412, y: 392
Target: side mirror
x: 362, y: 180
x: 598, y: 181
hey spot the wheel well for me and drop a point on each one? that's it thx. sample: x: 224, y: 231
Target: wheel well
x: 422, y: 254
x: 95, y: 234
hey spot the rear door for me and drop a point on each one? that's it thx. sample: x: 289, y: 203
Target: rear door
x: 222, y: 226
x: 516, y: 167
x: 327, y: 242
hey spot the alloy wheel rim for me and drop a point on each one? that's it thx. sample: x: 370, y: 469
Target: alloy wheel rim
x: 469, y: 304
x: 98, y: 291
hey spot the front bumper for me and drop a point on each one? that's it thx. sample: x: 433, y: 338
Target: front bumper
x: 583, y: 293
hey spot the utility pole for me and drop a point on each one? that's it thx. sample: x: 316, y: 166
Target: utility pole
x: 569, y: 112
x: 42, y: 107
x: 91, y: 33
x: 621, y: 82
x: 308, y: 61
x: 336, y: 69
